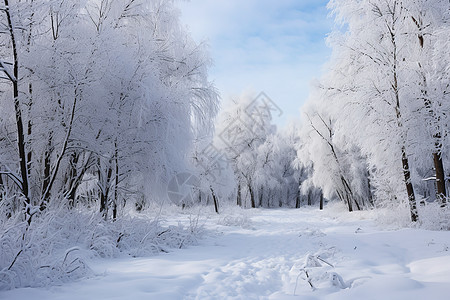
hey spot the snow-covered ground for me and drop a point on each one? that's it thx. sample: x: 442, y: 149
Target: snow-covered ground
x: 276, y: 254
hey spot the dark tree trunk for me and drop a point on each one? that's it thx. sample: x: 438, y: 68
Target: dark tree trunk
x: 104, y: 193
x: 239, y: 196
x: 59, y: 157
x: 369, y: 190
x: 440, y: 179
x: 47, y: 169
x: 76, y: 174
x: 345, y: 199
x: 252, y: 196
x: 261, y: 194
x: 321, y: 201
x: 358, y: 207
x: 297, y: 198
x: 30, y: 125
x: 18, y: 112
x: 405, y: 162
x: 73, y: 178
x: 1, y: 188
x: 114, y: 210
x: 103, y: 203
x: 116, y: 158
x: 216, y: 202
x: 409, y: 187
x: 349, y: 195
x: 349, y: 203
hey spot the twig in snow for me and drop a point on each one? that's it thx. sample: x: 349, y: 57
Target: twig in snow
x: 308, y: 278
x: 322, y: 260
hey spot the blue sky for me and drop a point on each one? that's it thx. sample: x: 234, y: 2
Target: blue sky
x: 275, y: 46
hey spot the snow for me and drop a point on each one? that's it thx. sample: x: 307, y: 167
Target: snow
x: 266, y: 254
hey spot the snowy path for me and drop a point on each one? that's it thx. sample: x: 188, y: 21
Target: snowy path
x: 266, y: 259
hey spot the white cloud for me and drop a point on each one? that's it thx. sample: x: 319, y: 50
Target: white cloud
x: 272, y: 46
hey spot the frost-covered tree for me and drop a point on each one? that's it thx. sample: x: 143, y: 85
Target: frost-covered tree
x: 381, y: 71
x: 338, y: 167
x: 382, y: 100
x: 103, y: 88
x: 215, y: 173
x: 428, y: 21
x: 279, y: 179
x: 243, y: 127
x: 262, y: 157
x: 100, y: 101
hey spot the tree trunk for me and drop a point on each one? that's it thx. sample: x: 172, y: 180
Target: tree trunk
x: 347, y: 195
x: 74, y: 182
x: 103, y: 203
x: 55, y: 169
x: 349, y: 203
x: 409, y: 187
x: 441, y: 193
x: 19, y: 121
x: 321, y: 201
x: 369, y: 190
x: 47, y: 168
x: 30, y: 125
x: 73, y: 178
x: 216, y: 203
x: 116, y: 158
x: 239, y: 196
x: 261, y: 194
x: 252, y: 196
x: 287, y: 196
x: 345, y: 198
x: 114, y: 207
x: 1, y: 188
x: 405, y: 162
x: 104, y: 193
x: 358, y: 207
x: 440, y: 179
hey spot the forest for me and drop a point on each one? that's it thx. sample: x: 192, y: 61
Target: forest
x: 107, y: 111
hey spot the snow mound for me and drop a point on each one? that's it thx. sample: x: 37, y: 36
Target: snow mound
x: 240, y: 220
